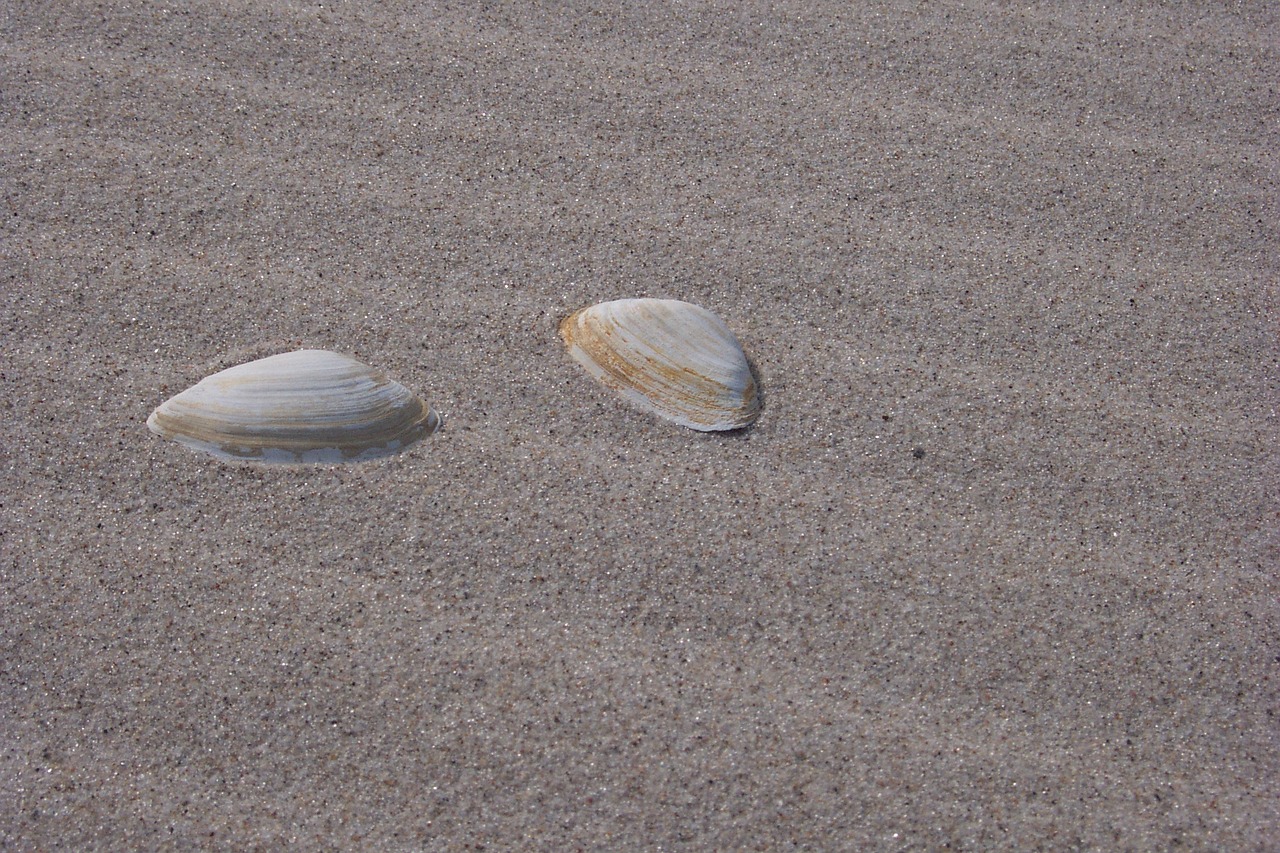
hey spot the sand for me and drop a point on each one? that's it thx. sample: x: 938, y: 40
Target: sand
x: 995, y: 569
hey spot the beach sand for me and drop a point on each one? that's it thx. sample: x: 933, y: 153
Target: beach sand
x: 995, y: 569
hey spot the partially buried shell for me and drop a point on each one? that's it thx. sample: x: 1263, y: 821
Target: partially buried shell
x: 304, y: 406
x: 669, y: 357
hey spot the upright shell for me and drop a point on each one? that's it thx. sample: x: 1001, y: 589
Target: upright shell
x: 304, y: 406
x: 668, y: 357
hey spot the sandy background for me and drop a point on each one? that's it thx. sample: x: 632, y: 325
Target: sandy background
x: 996, y: 569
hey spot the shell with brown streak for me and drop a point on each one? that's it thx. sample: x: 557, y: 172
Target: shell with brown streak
x: 304, y: 406
x: 677, y: 360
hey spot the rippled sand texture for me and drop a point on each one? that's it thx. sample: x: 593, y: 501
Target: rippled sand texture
x: 994, y: 568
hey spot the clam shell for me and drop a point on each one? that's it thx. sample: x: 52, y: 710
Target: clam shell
x: 304, y: 406
x: 668, y: 357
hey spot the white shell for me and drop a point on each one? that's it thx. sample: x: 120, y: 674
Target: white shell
x: 668, y: 357
x: 304, y: 406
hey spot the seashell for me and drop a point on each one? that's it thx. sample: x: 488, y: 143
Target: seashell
x: 668, y: 357
x: 305, y: 406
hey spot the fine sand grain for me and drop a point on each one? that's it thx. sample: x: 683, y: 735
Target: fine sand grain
x: 995, y: 569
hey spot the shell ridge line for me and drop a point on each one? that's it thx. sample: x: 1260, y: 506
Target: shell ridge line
x: 669, y: 357
x: 675, y: 374
x: 307, y: 405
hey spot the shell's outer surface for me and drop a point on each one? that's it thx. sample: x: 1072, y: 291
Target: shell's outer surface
x: 668, y: 357
x: 304, y: 406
